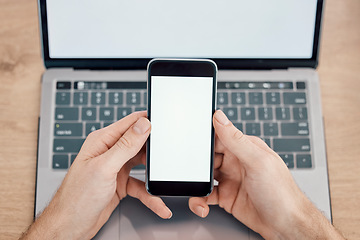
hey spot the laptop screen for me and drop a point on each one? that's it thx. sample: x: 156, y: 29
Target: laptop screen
x: 249, y: 29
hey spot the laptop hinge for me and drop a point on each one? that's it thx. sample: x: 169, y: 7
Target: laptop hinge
x: 309, y: 69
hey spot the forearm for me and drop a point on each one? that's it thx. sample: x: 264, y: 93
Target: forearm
x: 310, y: 223
x: 49, y: 225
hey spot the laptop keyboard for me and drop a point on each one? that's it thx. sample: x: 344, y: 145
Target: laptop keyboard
x: 274, y: 111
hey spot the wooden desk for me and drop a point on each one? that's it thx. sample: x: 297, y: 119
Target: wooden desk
x: 20, y: 72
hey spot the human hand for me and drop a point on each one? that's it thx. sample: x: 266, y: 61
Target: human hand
x: 97, y: 181
x: 256, y: 187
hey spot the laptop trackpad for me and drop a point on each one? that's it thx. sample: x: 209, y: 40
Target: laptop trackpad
x: 137, y: 222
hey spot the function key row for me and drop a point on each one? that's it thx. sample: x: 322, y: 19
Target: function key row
x: 258, y: 98
x: 261, y: 85
x: 101, y: 98
x: 93, y: 113
x: 101, y: 85
x: 265, y: 113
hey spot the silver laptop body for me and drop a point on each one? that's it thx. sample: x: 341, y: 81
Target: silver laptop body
x: 81, y: 94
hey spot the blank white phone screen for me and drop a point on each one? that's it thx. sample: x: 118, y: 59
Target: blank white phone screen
x: 181, y: 121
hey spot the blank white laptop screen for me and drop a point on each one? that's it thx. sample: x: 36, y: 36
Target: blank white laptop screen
x: 186, y: 28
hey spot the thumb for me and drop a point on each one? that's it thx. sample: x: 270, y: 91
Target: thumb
x: 200, y: 205
x: 128, y: 145
x: 235, y: 141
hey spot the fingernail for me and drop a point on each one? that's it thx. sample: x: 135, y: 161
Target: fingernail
x: 221, y: 117
x: 141, y: 126
x: 200, y: 211
x: 171, y: 214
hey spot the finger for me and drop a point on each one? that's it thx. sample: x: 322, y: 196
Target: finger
x: 213, y: 198
x: 137, y: 160
x: 219, y: 146
x: 143, y: 158
x: 200, y: 205
x: 118, y: 128
x: 128, y: 145
x: 136, y: 189
x: 103, y: 139
x: 218, y: 159
x: 236, y: 142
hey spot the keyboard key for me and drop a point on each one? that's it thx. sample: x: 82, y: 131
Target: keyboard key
x: 107, y: 124
x: 231, y: 113
x: 116, y: 98
x: 222, y: 98
x: 68, y: 145
x: 265, y: 113
x: 239, y: 126
x: 106, y: 114
x: 300, y: 113
x: 81, y: 98
x: 273, y: 98
x: 238, y: 98
x: 66, y: 114
x: 137, y: 109
x: 283, y: 113
x: 88, y: 113
x: 247, y: 113
x: 145, y: 98
x: 288, y: 159
x: 294, y: 129
x: 253, y: 129
x: 303, y: 161
x: 63, y: 98
x: 294, y: 98
x: 300, y: 85
x: 123, y: 112
x: 139, y: 167
x: 133, y: 98
x: 68, y: 129
x: 60, y: 162
x: 72, y: 158
x: 271, y: 129
x: 291, y: 145
x: 90, y: 127
x: 256, y: 98
x: 63, y: 85
x: 98, y: 98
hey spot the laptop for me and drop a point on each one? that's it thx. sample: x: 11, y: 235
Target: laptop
x: 96, y: 52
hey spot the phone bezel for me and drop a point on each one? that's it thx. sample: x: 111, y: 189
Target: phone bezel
x: 183, y: 68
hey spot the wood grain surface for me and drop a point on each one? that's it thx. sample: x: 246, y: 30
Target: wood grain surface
x: 21, y: 67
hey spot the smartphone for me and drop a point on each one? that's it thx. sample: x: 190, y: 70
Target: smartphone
x: 180, y: 148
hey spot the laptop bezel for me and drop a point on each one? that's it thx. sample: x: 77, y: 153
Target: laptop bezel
x: 141, y: 63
